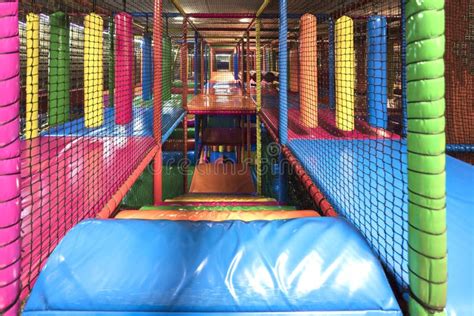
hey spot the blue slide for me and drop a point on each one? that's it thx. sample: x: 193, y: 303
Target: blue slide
x: 308, y: 266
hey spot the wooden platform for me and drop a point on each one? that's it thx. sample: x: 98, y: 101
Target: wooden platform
x: 222, y: 178
x: 221, y: 105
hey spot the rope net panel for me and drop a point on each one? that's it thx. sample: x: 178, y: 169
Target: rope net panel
x: 459, y: 75
x: 346, y: 113
x: 86, y: 111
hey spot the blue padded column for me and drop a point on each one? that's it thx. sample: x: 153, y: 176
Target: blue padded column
x: 147, y: 70
x: 283, y: 68
x: 236, y: 66
x: 377, y: 71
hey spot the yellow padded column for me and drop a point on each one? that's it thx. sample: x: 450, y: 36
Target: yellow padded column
x: 32, y: 75
x: 345, y: 73
x: 93, y: 71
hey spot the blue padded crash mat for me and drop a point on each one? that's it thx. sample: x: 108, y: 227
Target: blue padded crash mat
x: 125, y: 267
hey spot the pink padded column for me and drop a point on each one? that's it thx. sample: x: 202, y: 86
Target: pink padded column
x: 9, y: 159
x: 123, y: 68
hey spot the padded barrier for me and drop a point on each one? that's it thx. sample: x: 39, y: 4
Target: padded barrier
x: 230, y: 267
x: 141, y: 125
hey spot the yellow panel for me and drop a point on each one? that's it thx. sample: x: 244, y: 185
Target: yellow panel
x: 93, y: 71
x: 345, y: 73
x: 32, y: 75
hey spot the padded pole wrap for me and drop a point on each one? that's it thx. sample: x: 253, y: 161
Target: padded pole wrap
x: 167, y: 65
x: 158, y: 40
x: 123, y: 68
x: 58, y: 88
x: 427, y: 242
x: 283, y: 66
x: 32, y: 75
x: 147, y: 67
x: 111, y: 62
x: 258, y: 69
x: 377, y: 71
x: 196, y: 63
x: 345, y: 74
x: 309, y: 71
x: 236, y: 66
x: 184, y: 64
x: 332, y: 96
x: 93, y: 71
x: 10, y: 192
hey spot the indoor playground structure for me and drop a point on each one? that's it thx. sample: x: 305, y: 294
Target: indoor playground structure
x: 271, y: 157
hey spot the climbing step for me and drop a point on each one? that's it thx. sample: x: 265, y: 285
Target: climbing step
x: 218, y: 208
x: 219, y: 199
x: 215, y: 216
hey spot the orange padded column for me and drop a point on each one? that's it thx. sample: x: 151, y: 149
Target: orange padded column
x: 308, y: 71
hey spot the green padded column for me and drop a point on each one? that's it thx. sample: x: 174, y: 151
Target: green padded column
x: 167, y: 80
x: 111, y: 62
x: 58, y: 81
x: 427, y: 254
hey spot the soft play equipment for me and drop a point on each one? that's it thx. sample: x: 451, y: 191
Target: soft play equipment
x: 32, y: 81
x: 58, y: 79
x: 345, y: 73
x: 170, y: 267
x: 93, y: 72
x: 308, y: 72
x: 111, y: 60
x: 377, y: 71
x: 147, y: 68
x: 310, y: 177
x: 123, y: 68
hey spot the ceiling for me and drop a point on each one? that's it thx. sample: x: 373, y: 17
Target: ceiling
x: 226, y: 31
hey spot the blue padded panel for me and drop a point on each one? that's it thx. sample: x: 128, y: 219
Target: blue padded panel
x: 460, y: 217
x: 129, y: 266
x: 142, y: 124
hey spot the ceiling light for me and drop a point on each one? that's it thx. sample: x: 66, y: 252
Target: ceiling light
x: 179, y: 18
x: 245, y: 20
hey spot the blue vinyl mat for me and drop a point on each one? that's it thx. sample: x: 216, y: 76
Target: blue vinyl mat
x: 308, y: 266
x: 460, y: 218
